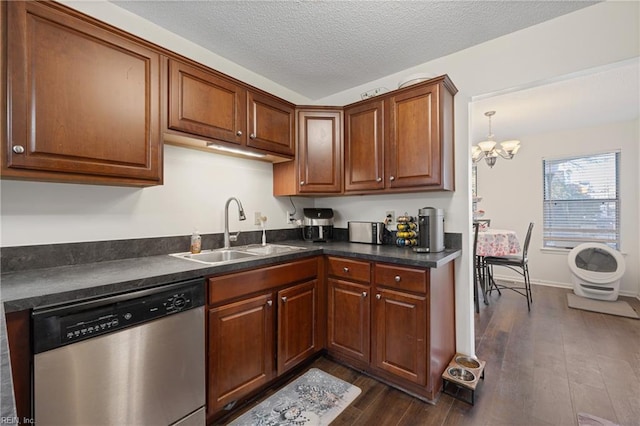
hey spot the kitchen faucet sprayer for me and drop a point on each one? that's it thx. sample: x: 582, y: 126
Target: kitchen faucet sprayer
x: 241, y: 216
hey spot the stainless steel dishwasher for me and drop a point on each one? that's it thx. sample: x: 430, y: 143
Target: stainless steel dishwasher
x: 130, y: 359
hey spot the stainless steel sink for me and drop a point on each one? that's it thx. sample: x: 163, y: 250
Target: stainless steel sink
x: 215, y: 256
x: 271, y: 249
x: 236, y: 253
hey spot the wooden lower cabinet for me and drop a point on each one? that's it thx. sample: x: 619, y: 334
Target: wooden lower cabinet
x: 261, y: 323
x: 297, y: 324
x: 348, y: 319
x: 397, y: 323
x: 399, y: 335
x: 240, y: 349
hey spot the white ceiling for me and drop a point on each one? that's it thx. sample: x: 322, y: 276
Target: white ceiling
x: 591, y: 98
x: 319, y: 48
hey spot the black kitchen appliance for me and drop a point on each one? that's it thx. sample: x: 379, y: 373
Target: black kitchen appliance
x: 430, y: 230
x: 317, y: 225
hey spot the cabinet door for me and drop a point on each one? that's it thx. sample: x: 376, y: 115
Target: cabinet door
x: 400, y: 335
x: 414, y: 147
x: 205, y: 104
x: 84, y: 100
x: 348, y: 319
x: 320, y: 151
x: 271, y: 124
x: 240, y: 349
x: 297, y: 324
x: 364, y: 153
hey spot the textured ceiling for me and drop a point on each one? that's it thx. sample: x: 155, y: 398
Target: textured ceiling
x: 318, y: 48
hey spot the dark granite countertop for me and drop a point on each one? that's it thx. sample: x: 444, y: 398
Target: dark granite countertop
x: 49, y: 286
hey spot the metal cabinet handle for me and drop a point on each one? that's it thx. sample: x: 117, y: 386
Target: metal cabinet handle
x: 392, y: 178
x: 269, y: 303
x: 284, y: 300
x: 379, y: 179
x: 345, y: 269
x: 18, y: 149
x: 364, y: 294
x: 397, y: 278
x: 378, y: 296
x: 302, y: 182
x: 252, y: 135
x: 239, y: 133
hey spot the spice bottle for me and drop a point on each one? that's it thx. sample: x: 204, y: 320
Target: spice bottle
x: 196, y: 242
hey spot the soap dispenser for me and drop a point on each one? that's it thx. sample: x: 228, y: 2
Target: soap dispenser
x: 196, y: 243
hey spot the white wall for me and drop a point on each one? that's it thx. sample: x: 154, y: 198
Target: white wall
x: 609, y: 29
x: 512, y: 193
x: 554, y: 48
x: 193, y: 196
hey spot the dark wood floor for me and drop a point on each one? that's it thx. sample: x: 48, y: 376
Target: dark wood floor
x: 543, y: 368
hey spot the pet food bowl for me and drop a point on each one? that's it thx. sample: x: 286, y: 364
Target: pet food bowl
x: 467, y: 362
x: 461, y: 374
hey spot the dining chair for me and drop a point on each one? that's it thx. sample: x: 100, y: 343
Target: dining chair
x: 483, y: 223
x: 518, y: 263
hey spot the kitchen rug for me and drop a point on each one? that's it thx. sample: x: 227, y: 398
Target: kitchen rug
x: 619, y: 307
x: 589, y: 420
x: 313, y: 399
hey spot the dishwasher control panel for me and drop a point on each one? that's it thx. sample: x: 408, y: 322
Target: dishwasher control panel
x: 72, y: 323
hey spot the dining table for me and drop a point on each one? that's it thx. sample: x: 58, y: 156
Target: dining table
x: 493, y: 242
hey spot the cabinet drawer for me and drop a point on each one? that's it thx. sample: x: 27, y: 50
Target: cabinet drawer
x: 239, y: 284
x: 349, y: 269
x: 410, y: 279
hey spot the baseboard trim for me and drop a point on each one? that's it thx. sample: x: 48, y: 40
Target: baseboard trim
x: 556, y: 284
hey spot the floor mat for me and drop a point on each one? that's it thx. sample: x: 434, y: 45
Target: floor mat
x: 589, y: 420
x: 619, y: 307
x: 313, y: 399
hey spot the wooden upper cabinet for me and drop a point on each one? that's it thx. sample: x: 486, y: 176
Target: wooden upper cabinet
x: 205, y: 104
x: 317, y: 168
x: 271, y: 124
x: 420, y: 138
x: 413, y: 148
x: 84, y: 100
x: 364, y: 146
x: 403, y: 141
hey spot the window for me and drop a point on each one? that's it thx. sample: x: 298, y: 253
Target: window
x: 581, y: 200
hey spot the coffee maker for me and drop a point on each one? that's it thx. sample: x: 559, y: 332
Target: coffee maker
x: 430, y: 230
x: 317, y: 225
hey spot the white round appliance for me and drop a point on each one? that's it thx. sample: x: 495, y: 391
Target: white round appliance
x: 596, y: 271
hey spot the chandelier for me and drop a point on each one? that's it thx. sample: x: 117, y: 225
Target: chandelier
x: 489, y: 150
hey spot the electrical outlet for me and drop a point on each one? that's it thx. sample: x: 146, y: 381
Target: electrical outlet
x: 256, y: 218
x: 290, y: 217
x: 391, y: 217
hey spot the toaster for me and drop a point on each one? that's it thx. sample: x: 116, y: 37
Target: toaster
x: 366, y: 232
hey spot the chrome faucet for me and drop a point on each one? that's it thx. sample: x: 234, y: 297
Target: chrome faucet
x: 228, y: 238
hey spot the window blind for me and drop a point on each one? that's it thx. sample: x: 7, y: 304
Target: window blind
x: 581, y: 200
